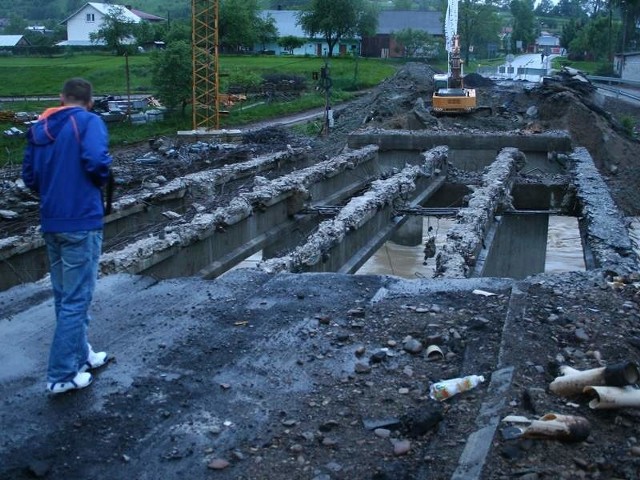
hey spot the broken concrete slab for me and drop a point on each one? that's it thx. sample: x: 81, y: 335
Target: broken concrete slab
x: 602, y: 226
x: 465, y: 239
x: 383, y: 197
x: 247, y: 223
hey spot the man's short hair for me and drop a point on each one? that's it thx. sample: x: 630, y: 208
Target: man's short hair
x: 78, y: 90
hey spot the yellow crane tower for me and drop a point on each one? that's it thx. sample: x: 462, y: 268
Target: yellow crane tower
x: 204, y: 45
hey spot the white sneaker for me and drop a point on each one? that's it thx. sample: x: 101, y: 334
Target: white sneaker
x: 95, y: 360
x: 81, y: 380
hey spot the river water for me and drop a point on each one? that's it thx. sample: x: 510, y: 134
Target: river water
x: 564, y: 251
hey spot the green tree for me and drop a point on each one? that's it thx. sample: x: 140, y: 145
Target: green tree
x: 290, y: 43
x: 177, y: 31
x: 16, y: 25
x: 570, y: 31
x: 335, y: 20
x: 42, y: 10
x: 73, y: 5
x: 592, y: 41
x: 238, y: 24
x: 630, y: 13
x: 367, y: 20
x: 544, y: 7
x: 569, y: 9
x: 171, y: 74
x: 145, y: 33
x: 415, y: 42
x: 524, y: 23
x: 267, y: 30
x: 478, y: 25
x: 402, y: 4
x: 117, y: 31
x: 594, y: 7
x: 284, y: 4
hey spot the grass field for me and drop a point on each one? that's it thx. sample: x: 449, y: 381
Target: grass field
x: 24, y: 77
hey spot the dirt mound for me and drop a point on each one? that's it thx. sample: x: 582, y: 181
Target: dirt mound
x: 474, y: 80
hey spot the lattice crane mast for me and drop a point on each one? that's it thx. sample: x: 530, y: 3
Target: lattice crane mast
x: 204, y: 46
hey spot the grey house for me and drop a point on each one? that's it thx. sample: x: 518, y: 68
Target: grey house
x: 627, y: 65
x: 10, y: 41
x: 382, y: 44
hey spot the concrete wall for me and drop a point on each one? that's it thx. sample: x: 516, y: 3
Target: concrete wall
x: 517, y: 249
x: 469, y: 152
x: 23, y: 259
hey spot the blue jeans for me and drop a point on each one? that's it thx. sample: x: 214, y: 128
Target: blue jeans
x: 73, y: 259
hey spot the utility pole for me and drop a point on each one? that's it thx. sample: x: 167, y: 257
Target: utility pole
x: 325, y: 84
x: 204, y: 46
x: 128, y: 77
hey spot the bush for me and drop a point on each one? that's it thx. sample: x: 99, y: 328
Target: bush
x: 605, y: 70
x: 628, y: 124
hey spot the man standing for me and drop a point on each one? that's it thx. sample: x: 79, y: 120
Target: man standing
x: 66, y: 163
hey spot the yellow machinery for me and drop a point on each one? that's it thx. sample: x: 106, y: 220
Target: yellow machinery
x: 449, y: 94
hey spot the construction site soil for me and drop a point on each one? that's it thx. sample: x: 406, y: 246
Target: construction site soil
x: 323, y: 377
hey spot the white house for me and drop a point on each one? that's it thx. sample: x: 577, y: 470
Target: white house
x: 90, y: 17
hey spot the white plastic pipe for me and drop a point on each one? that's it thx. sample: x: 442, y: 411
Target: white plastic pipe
x: 613, y: 397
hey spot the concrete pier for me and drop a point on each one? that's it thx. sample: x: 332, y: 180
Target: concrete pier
x: 517, y: 249
x: 344, y: 243
x: 409, y: 234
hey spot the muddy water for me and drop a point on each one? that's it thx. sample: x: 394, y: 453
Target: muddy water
x: 408, y: 262
x: 564, y: 251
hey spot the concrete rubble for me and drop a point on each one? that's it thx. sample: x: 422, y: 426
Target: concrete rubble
x: 606, y: 235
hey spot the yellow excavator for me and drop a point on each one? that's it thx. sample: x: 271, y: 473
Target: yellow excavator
x: 449, y: 94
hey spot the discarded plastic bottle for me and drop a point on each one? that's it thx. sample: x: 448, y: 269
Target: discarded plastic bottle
x: 448, y: 388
